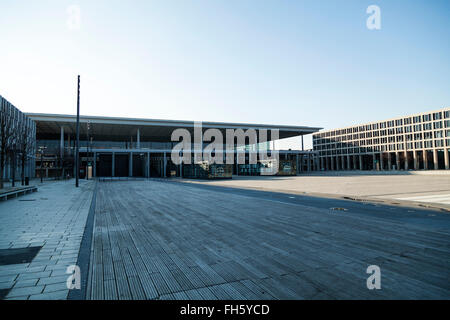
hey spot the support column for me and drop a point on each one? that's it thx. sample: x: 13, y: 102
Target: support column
x: 389, y: 161
x: 348, y: 163
x: 113, y: 156
x: 333, y: 163
x: 68, y: 145
x: 181, y: 164
x: 446, y: 160
x: 360, y: 162
x: 425, y: 159
x: 406, y: 161
x: 130, y: 165
x: 148, y: 164
x: 165, y: 165
x: 416, y: 160
x: 95, y: 165
x: 397, y: 160
x: 338, y: 163
x: 374, y: 162
x: 435, y: 159
x: 298, y: 167
x: 138, y: 139
x: 381, y: 163
x: 327, y: 163
x: 309, y: 163
x: 343, y: 167
x: 321, y: 164
x: 61, y: 143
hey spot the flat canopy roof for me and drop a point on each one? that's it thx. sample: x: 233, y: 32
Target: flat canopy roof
x: 120, y: 129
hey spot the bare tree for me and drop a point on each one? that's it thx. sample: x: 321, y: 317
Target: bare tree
x: 16, y: 140
x: 14, y: 149
x: 12, y: 161
x: 25, y: 145
x: 7, y: 135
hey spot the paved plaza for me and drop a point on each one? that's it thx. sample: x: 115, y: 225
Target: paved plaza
x: 52, y: 219
x: 429, y: 187
x: 172, y: 240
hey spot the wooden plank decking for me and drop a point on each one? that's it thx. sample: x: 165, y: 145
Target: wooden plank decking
x: 162, y: 240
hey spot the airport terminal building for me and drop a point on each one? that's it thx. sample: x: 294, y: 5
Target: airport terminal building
x: 419, y: 141
x: 125, y: 147
x: 135, y: 147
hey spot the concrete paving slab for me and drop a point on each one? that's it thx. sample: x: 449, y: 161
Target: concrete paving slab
x: 54, y: 218
x: 403, y: 186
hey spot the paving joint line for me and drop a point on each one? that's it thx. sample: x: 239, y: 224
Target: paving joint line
x: 84, y: 253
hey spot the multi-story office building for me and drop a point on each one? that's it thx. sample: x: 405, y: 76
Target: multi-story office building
x: 419, y: 141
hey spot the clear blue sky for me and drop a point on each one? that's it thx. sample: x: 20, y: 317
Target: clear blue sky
x: 281, y: 62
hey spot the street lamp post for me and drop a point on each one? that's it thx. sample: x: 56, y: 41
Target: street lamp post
x: 77, y: 160
x: 87, y: 150
x: 41, y: 166
x: 92, y: 155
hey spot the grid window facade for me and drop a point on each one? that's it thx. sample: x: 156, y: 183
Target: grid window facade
x: 422, y: 131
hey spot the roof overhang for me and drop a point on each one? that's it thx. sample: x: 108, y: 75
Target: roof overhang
x: 120, y: 129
